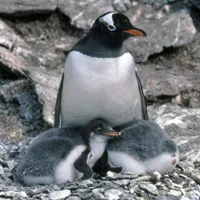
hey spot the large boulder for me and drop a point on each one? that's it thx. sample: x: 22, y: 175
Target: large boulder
x: 26, y: 7
x: 165, y: 31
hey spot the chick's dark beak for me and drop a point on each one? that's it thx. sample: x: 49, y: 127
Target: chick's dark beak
x: 135, y: 32
x: 113, y: 133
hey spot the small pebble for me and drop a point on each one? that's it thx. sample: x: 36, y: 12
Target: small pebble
x: 175, y: 193
x: 56, y: 195
x: 149, y: 188
x: 112, y: 194
x: 73, y: 198
x: 1, y: 170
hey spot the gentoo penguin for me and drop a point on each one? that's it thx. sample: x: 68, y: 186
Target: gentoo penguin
x: 61, y: 154
x: 144, y: 147
x: 100, y: 77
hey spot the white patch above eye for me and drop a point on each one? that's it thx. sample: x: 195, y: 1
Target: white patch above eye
x: 108, y: 19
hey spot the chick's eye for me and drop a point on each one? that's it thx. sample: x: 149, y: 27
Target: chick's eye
x: 99, y: 130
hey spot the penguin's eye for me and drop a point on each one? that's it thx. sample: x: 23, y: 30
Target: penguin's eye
x: 111, y: 28
x: 126, y: 22
x: 98, y: 130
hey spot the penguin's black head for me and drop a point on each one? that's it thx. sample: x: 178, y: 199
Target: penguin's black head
x: 100, y: 128
x: 113, y: 28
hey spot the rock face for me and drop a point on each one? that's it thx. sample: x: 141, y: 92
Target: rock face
x: 172, y: 30
x: 35, y: 37
x: 24, y: 7
x: 90, y: 10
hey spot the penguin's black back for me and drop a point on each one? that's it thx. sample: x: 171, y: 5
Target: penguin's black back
x: 144, y: 140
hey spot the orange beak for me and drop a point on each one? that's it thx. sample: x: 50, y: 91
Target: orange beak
x: 135, y: 32
x: 113, y: 133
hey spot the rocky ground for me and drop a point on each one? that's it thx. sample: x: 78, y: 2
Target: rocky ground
x: 35, y: 37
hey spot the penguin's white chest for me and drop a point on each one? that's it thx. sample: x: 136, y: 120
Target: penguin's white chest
x: 99, y: 87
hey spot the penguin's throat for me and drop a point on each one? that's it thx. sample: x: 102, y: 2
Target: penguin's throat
x: 97, y: 147
x: 106, y: 41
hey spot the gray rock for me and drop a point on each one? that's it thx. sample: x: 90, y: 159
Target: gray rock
x: 1, y: 170
x: 112, y: 194
x: 163, y: 197
x: 73, y: 198
x: 173, y: 30
x: 175, y: 193
x: 46, y: 85
x: 122, y: 5
x: 24, y: 7
x: 59, y: 194
x: 11, y: 194
x: 148, y: 187
x: 17, y: 55
x: 97, y: 193
x: 83, y: 14
x: 122, y: 182
x: 84, y: 194
x: 177, y: 81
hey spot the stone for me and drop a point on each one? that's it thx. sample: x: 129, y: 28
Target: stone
x: 46, y: 85
x: 97, y: 193
x: 156, y: 176
x: 122, y: 182
x: 1, y: 170
x: 83, y: 194
x: 163, y: 197
x: 174, y: 193
x: 18, y: 54
x: 148, y: 188
x: 8, y: 194
x: 83, y: 14
x: 112, y: 194
x: 169, y: 84
x: 59, y: 194
x: 11, y: 164
x: 174, y: 30
x: 73, y: 198
x: 122, y: 5
x: 26, y: 7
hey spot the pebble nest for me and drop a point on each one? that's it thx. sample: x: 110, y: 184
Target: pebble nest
x: 183, y: 183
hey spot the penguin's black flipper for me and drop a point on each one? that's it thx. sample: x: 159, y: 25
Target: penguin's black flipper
x: 143, y: 101
x: 58, y: 104
x: 81, y: 166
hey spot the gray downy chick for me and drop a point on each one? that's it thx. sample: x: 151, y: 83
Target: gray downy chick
x: 143, y: 147
x: 61, y: 154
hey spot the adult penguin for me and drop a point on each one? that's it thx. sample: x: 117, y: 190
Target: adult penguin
x: 100, y: 77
